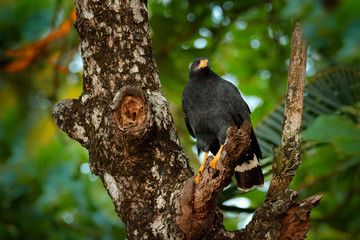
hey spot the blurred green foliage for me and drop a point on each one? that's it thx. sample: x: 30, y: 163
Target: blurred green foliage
x: 46, y: 189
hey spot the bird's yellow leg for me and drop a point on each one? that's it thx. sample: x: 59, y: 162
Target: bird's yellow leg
x: 201, y: 170
x: 216, y: 158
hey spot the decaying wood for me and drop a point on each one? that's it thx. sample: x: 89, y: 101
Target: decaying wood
x: 296, y: 221
x: 123, y: 120
x: 197, y: 204
x: 290, y: 146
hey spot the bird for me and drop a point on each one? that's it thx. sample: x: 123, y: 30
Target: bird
x: 210, y: 106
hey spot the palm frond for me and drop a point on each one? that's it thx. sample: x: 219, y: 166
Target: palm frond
x: 328, y: 93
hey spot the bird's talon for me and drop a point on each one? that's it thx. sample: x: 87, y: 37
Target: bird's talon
x: 216, y: 158
x: 197, y: 179
x: 212, y: 165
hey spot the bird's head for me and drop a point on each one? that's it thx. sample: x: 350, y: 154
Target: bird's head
x: 200, y: 66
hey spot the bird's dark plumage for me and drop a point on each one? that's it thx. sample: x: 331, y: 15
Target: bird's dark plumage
x: 211, y: 105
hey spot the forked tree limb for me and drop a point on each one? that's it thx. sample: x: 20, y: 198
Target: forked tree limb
x: 124, y: 121
x: 276, y: 218
x: 280, y: 199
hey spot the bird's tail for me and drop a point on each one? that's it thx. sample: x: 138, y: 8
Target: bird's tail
x: 249, y: 175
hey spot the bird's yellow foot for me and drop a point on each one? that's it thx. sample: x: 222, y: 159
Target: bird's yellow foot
x: 213, y: 163
x: 201, y: 170
x: 216, y: 158
x: 197, y: 179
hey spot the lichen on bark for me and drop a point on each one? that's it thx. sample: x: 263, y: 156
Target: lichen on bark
x: 135, y: 150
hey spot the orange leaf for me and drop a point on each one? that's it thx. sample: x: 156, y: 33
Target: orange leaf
x: 25, y: 54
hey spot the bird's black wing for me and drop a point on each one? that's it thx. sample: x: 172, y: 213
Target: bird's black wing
x: 240, y: 111
x: 188, y: 125
x: 186, y: 118
x: 238, y: 108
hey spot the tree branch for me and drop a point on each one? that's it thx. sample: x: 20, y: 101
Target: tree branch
x: 280, y: 199
x: 268, y: 221
x: 197, y: 205
x: 296, y: 221
x: 290, y: 146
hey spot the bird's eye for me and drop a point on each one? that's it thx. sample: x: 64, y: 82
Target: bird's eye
x: 197, y: 62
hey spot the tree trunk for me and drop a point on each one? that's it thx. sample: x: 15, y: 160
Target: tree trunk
x: 123, y: 120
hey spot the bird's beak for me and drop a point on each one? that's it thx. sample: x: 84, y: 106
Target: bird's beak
x: 203, y: 63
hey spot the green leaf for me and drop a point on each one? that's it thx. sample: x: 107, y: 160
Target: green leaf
x: 335, y: 129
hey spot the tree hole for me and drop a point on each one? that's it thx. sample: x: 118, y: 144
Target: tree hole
x: 131, y: 112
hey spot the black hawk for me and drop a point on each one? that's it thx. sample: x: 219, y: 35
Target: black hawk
x: 210, y: 106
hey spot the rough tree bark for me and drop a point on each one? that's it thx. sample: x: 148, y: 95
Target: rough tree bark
x: 123, y: 120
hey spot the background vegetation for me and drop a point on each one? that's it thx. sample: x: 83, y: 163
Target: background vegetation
x: 46, y: 188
